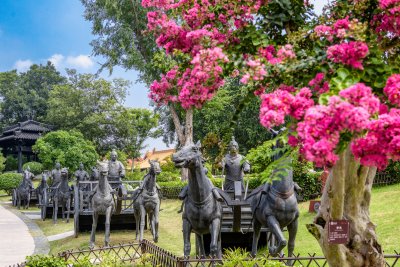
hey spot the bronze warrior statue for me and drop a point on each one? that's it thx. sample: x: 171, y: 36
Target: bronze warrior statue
x: 234, y: 165
x: 56, y: 175
x: 116, y: 169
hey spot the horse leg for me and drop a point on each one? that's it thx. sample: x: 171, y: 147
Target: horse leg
x: 215, y: 229
x: 275, y: 228
x: 137, y: 219
x: 28, y: 201
x: 151, y: 223
x: 256, y: 236
x: 200, y: 246
x: 68, y: 208
x: 142, y: 221
x: 19, y: 200
x: 292, y: 229
x: 95, y: 217
x: 107, y: 226
x: 63, y: 209
x: 187, y: 229
x: 55, y: 209
x: 155, y: 222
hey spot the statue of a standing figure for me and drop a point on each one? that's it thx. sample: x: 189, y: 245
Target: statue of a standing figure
x: 116, y: 169
x: 30, y: 176
x: 81, y: 175
x: 56, y: 175
x: 234, y: 165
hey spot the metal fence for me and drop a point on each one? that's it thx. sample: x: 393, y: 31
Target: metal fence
x: 156, y: 256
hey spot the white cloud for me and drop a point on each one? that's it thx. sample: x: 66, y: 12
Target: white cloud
x: 81, y: 61
x: 56, y: 59
x: 23, y: 65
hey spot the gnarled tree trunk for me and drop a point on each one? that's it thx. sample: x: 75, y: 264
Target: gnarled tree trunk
x: 347, y: 195
x: 184, y: 133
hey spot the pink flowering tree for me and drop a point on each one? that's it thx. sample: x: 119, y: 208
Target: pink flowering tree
x: 333, y: 81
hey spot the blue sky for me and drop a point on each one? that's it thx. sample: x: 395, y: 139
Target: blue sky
x: 34, y: 31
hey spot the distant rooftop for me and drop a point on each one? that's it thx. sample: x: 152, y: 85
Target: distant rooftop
x: 160, y: 155
x: 27, y: 130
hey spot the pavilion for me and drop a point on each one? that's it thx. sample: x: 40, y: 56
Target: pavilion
x: 18, y: 139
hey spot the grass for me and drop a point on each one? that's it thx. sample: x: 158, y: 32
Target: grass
x: 383, y: 209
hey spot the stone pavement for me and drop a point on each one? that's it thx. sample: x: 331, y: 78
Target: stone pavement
x: 16, y: 241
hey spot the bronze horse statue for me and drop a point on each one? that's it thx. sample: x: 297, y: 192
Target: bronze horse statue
x: 42, y: 187
x: 147, y: 201
x: 62, y: 196
x: 202, y: 212
x: 275, y: 206
x: 102, y: 203
x: 23, y: 191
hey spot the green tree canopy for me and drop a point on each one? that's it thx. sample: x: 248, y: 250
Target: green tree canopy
x: 24, y: 95
x: 88, y: 104
x: 67, y: 147
x: 133, y: 127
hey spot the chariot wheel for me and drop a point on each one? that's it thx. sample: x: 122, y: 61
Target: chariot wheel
x: 76, y: 211
x: 43, y: 206
x: 14, y: 197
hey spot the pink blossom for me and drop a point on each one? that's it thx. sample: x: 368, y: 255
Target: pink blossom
x: 318, y: 84
x: 350, y: 53
x: 361, y: 95
x: 392, y: 89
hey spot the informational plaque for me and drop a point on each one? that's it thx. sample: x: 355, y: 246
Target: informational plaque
x: 338, y: 231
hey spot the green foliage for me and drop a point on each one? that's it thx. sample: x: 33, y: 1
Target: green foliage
x: 2, y: 162
x: 172, y: 184
x: 25, y: 94
x: 169, y: 172
x: 241, y: 257
x: 45, y: 261
x: 88, y: 104
x: 135, y: 175
x: 393, y: 170
x: 133, y: 127
x: 35, y: 167
x: 11, y: 163
x: 67, y: 147
x: 9, y: 181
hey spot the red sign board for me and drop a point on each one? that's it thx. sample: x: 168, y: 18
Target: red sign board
x: 338, y: 231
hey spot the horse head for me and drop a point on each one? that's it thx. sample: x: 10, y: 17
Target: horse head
x: 64, y: 173
x: 155, y: 167
x: 102, y: 167
x: 187, y: 156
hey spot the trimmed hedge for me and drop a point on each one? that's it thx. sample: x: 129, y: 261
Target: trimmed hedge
x: 10, y: 181
x: 35, y: 167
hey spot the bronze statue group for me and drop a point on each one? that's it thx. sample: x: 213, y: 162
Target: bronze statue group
x: 273, y: 205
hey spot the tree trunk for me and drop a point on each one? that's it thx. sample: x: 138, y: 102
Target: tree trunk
x: 347, y: 195
x: 185, y: 134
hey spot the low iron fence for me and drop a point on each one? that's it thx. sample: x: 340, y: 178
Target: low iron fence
x: 157, y: 256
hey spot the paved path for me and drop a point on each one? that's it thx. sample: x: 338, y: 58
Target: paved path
x: 16, y: 240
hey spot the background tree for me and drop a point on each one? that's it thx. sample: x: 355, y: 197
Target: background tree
x: 2, y: 162
x: 67, y: 147
x: 133, y: 127
x: 88, y: 104
x: 24, y: 95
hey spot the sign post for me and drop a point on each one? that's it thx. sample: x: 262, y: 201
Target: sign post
x: 338, y: 231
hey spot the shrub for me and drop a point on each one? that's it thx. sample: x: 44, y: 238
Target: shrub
x: 9, y: 181
x: 241, y: 257
x: 35, y: 167
x: 2, y: 162
x: 11, y: 163
x: 45, y: 261
x: 135, y: 175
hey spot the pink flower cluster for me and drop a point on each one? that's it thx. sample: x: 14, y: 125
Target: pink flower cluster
x: 256, y: 71
x: 338, y: 29
x: 382, y: 142
x: 392, y: 89
x: 318, y: 84
x: 319, y: 131
x: 197, y: 85
x: 350, y: 54
x: 273, y: 57
x: 387, y: 23
x: 275, y: 106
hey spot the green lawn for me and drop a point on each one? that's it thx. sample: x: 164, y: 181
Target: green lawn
x: 384, y: 213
